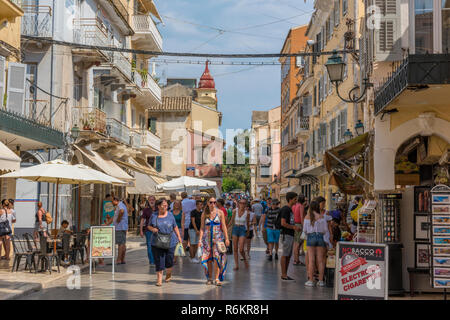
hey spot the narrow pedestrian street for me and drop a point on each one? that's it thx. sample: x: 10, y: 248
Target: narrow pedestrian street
x: 136, y: 281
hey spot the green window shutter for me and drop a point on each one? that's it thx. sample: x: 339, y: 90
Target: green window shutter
x: 158, y: 163
x: 152, y: 125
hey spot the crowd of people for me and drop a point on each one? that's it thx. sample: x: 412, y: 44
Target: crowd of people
x: 211, y: 229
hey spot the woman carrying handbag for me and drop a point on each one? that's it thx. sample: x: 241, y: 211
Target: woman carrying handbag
x: 5, y: 228
x: 165, y: 238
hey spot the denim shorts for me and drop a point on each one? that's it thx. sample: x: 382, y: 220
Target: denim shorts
x: 193, y: 237
x: 239, y: 231
x: 315, y: 240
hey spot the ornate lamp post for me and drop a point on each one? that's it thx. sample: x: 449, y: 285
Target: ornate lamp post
x: 359, y: 128
x: 348, y: 135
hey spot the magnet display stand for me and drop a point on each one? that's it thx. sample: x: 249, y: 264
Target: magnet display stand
x: 367, y: 222
x: 440, y: 238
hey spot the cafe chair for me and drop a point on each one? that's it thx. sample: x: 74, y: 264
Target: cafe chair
x: 21, y: 251
x: 79, y: 246
x: 46, y: 257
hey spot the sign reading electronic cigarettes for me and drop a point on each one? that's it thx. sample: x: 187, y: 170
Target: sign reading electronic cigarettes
x: 361, y: 271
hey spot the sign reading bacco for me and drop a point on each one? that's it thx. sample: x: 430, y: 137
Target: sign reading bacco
x: 361, y: 271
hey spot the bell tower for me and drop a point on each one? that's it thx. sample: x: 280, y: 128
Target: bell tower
x: 206, y: 91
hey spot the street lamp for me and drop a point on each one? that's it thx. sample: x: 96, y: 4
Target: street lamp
x: 348, y: 135
x: 306, y: 157
x: 75, y: 132
x: 335, y: 67
x: 359, y: 128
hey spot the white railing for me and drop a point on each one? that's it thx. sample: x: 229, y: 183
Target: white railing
x: 144, y: 24
x: 136, y: 139
x: 153, y: 87
x: 37, y: 21
x: 137, y: 79
x: 118, y: 130
x: 122, y: 63
x: 91, y: 31
x: 151, y: 140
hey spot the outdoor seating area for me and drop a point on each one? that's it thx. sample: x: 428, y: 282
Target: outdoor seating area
x: 42, y: 254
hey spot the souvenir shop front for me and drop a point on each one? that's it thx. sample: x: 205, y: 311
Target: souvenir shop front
x: 411, y: 167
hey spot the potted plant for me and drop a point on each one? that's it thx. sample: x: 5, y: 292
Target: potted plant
x: 144, y: 76
x: 86, y: 125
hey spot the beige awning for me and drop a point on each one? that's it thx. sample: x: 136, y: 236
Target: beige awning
x: 144, y: 184
x: 106, y: 165
x: 297, y: 189
x: 9, y: 161
x: 149, y: 5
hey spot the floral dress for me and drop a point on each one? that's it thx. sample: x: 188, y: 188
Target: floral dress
x: 212, y: 235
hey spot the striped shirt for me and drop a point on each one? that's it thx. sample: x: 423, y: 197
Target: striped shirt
x: 271, y: 217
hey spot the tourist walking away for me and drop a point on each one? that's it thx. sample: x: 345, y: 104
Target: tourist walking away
x: 229, y: 226
x: 241, y: 227
x: 272, y: 226
x: 248, y: 239
x: 288, y: 229
x: 258, y: 209
x: 315, y: 228
x: 187, y: 205
x: 40, y: 221
x: 120, y: 221
x: 178, y: 214
x: 145, y: 231
x: 194, y: 228
x: 173, y: 198
x: 7, y: 217
x: 263, y: 224
x: 299, y: 210
x: 165, y: 238
x: 214, y: 242
x: 131, y: 215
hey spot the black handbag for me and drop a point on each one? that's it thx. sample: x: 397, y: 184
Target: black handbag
x: 5, y: 228
x: 162, y: 240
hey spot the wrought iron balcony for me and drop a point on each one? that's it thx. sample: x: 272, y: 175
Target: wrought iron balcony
x: 37, y: 21
x: 27, y: 125
x: 416, y: 71
x: 89, y: 119
x: 146, y: 34
x: 91, y: 31
x: 118, y: 130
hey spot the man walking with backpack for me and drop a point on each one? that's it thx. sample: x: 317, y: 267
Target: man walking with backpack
x: 273, y: 217
x: 288, y: 229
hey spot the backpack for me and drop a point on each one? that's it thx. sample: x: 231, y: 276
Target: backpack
x: 278, y: 220
x: 48, y: 217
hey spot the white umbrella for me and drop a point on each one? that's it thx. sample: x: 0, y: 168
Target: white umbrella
x: 186, y: 183
x: 61, y: 172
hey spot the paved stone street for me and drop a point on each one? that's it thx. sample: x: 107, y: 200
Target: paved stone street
x: 136, y: 281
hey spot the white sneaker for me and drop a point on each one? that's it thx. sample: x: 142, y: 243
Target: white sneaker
x: 321, y: 284
x: 195, y: 260
x: 309, y: 283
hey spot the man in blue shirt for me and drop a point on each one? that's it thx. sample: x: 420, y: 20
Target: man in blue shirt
x: 120, y: 221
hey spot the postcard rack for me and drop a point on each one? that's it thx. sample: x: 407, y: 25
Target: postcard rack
x: 440, y: 237
x: 367, y: 222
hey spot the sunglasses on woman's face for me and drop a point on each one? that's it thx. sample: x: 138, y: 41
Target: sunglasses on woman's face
x: 212, y: 202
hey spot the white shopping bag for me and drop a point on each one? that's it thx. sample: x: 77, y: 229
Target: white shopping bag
x: 199, y: 253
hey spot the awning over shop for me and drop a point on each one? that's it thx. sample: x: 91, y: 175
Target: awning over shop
x: 9, y: 161
x: 296, y: 189
x: 106, y: 165
x: 315, y: 170
x: 146, y: 177
x: 342, y: 175
x: 346, y: 151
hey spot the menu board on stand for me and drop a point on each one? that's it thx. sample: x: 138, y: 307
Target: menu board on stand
x: 440, y: 237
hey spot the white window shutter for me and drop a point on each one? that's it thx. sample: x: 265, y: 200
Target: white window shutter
x: 2, y: 80
x: 388, y: 38
x: 15, y: 100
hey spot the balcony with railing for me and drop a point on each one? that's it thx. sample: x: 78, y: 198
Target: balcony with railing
x: 146, y: 34
x: 122, y: 63
x: 91, y: 31
x: 136, y: 138
x: 89, y: 119
x: 10, y: 9
x: 302, y: 127
x: 30, y: 120
x: 417, y: 72
x: 118, y: 130
x: 150, y: 91
x: 150, y: 142
x: 37, y: 21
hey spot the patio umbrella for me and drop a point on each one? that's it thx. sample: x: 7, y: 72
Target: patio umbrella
x: 61, y: 172
x: 188, y: 184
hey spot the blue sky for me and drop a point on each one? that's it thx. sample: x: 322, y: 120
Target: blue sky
x: 241, y: 89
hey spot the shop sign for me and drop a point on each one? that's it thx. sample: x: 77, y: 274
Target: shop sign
x: 361, y: 271
x: 102, y: 244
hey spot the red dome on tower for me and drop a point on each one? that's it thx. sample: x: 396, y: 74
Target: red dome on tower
x: 207, y: 81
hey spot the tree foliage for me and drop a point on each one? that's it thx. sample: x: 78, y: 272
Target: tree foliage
x: 231, y: 183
